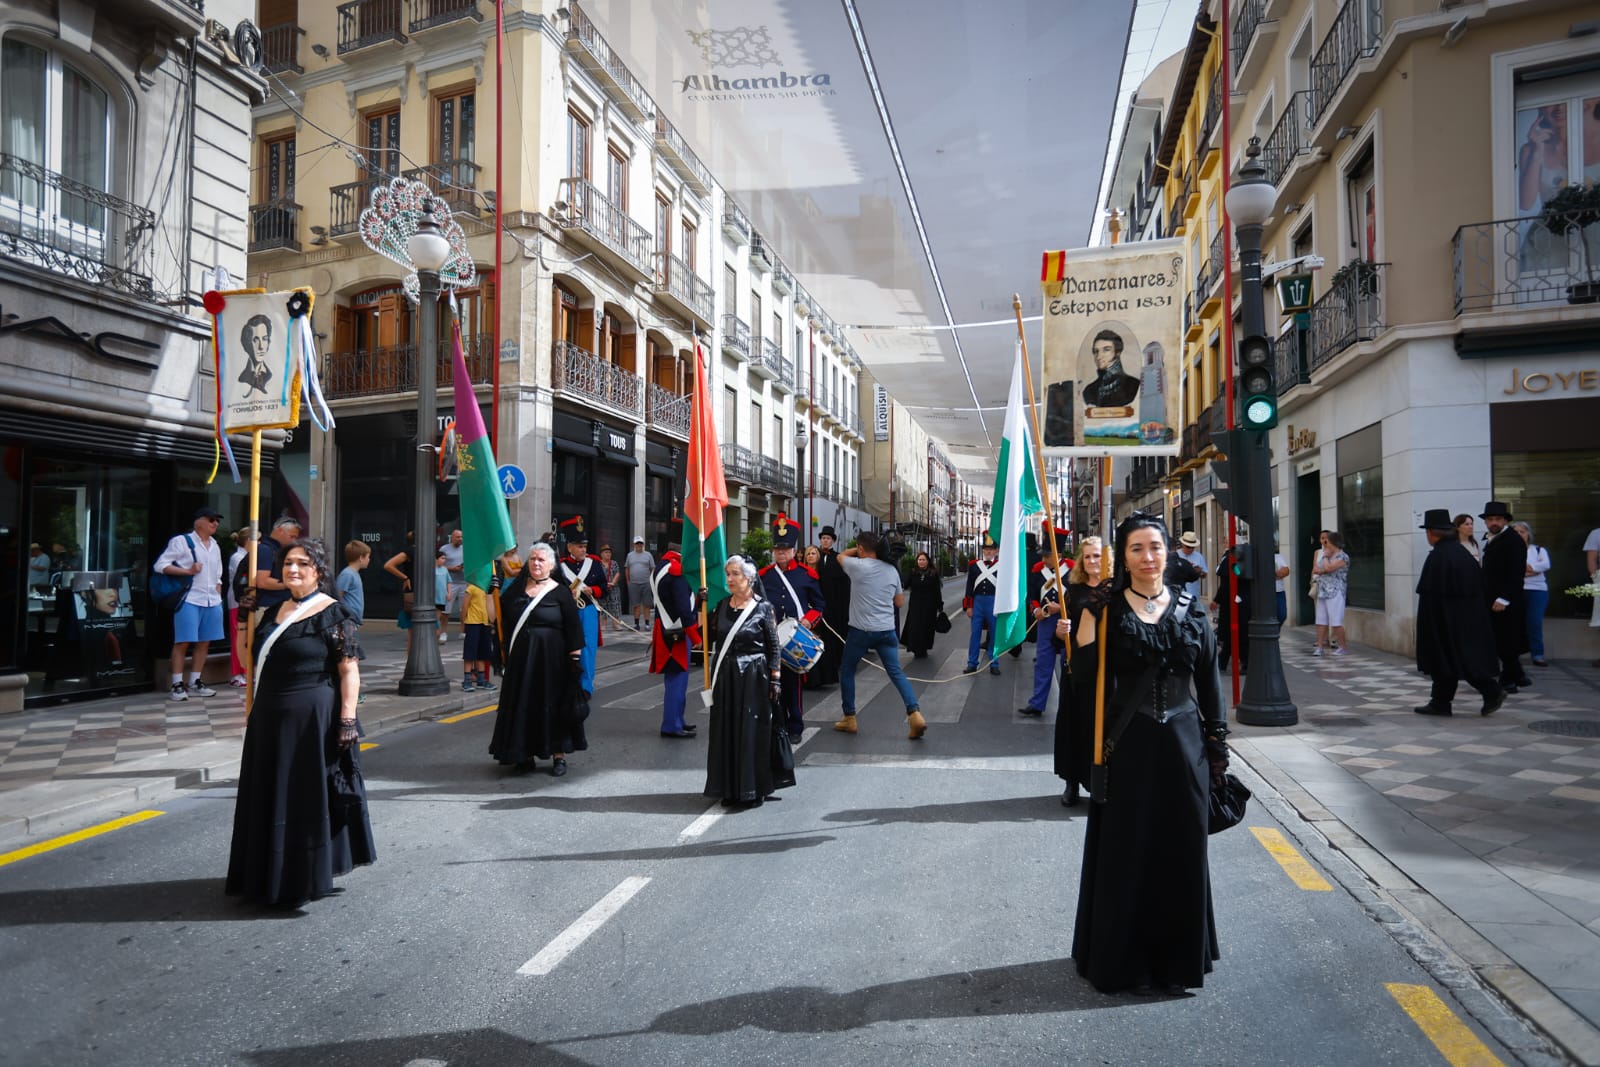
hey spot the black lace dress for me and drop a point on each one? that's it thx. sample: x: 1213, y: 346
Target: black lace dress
x: 536, y: 717
x: 743, y: 745
x: 301, y: 817
x: 1074, y: 736
x: 1144, y: 900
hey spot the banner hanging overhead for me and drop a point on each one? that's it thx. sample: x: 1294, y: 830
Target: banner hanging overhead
x: 1113, y: 349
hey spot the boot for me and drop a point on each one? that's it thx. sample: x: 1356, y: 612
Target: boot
x: 846, y: 725
x: 917, y: 724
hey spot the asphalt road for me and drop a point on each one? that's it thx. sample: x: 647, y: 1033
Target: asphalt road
x: 907, y: 902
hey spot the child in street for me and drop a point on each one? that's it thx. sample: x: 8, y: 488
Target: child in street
x: 477, y: 649
x: 357, y: 554
x: 441, y: 593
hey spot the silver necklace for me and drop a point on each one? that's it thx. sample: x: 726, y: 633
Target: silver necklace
x: 1149, y: 601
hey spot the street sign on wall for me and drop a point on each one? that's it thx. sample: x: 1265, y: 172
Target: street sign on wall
x: 1294, y: 293
x: 880, y: 413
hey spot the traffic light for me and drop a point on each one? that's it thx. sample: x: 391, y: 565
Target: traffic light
x: 1228, y: 469
x: 1258, y: 384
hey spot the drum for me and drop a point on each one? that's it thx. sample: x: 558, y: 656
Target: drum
x: 799, y: 648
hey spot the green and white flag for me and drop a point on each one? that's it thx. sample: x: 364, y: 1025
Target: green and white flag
x: 1016, y: 496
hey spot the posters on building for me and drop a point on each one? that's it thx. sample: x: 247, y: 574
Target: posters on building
x: 1113, y: 349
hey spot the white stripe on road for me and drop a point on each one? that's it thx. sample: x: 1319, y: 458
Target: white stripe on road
x: 569, y: 939
x: 971, y: 763
x: 709, y: 819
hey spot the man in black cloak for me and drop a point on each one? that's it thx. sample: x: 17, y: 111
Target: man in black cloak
x: 836, y: 615
x: 1453, y: 639
x: 1505, y: 564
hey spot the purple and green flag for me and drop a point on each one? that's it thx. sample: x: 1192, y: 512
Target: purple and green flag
x: 485, y: 523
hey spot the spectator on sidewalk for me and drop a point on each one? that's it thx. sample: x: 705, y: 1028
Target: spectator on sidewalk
x: 198, y: 620
x: 1464, y: 532
x: 1591, y: 559
x: 352, y: 594
x: 441, y: 594
x: 1505, y: 561
x: 1535, y: 592
x: 241, y: 549
x: 455, y: 581
x: 611, y: 603
x: 1331, y: 567
x: 1280, y: 571
x: 477, y: 641
x: 1188, y: 565
x: 270, y: 590
x: 1453, y: 638
x: 400, y: 566
x: 641, y: 566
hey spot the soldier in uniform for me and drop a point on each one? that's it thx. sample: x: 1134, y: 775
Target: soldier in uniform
x: 672, y: 633
x: 1046, y: 581
x: 795, y: 592
x: 836, y: 594
x: 587, y: 579
x: 978, y: 603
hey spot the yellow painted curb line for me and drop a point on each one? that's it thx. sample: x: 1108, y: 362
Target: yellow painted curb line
x: 76, y: 836
x: 367, y: 746
x: 470, y: 714
x: 1452, y: 1037
x: 1294, y: 865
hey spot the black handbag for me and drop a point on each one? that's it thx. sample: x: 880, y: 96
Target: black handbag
x: 941, y: 623
x: 1228, y: 799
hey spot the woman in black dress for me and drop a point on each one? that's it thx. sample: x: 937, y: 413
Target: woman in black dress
x: 1144, y: 901
x: 927, y: 599
x: 543, y: 640
x: 744, y: 763
x: 1075, y: 706
x: 301, y: 817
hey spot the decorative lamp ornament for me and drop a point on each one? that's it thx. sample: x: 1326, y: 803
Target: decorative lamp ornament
x: 396, y: 216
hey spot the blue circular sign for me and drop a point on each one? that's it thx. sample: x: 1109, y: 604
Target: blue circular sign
x: 512, y: 480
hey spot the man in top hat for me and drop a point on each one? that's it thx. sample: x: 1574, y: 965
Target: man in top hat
x: 1047, y: 583
x: 587, y: 580
x: 836, y: 615
x: 1453, y: 637
x: 672, y: 633
x: 978, y: 603
x: 1505, y: 564
x: 795, y: 592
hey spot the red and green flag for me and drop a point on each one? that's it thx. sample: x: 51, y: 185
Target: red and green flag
x: 485, y: 523
x: 703, y: 541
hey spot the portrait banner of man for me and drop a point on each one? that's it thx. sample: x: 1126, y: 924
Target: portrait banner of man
x: 1113, y: 349
x: 265, y: 357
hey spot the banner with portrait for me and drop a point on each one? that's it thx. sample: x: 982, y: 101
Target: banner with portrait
x: 1113, y: 349
x: 265, y: 358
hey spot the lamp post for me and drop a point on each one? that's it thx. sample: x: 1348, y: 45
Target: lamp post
x: 424, y: 673
x: 1265, y: 701
x: 802, y: 438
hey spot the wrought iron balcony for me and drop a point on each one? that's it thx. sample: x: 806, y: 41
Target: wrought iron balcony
x: 734, y: 224
x: 426, y: 14
x: 682, y: 157
x: 1350, y: 311
x: 1202, y: 282
x: 782, y: 280
x: 674, y: 279
x: 1219, y: 264
x: 760, y: 256
x: 280, y: 49
x: 609, y: 70
x: 1293, y: 361
x: 455, y: 182
x: 592, y: 212
x: 1355, y: 35
x: 769, y: 362
x: 387, y: 371
x: 775, y: 475
x: 580, y: 374
x: 364, y: 23
x: 1213, y: 114
x: 347, y: 202
x: 76, y: 230
x: 1527, y: 262
x: 1246, y: 20
x: 741, y: 465
x: 275, y: 224
x: 666, y: 410
x: 1290, y: 137
x: 736, y: 337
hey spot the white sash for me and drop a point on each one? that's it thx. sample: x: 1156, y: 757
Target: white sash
x: 668, y: 623
x: 302, y: 609
x: 727, y: 642
x: 800, y: 608
x: 583, y: 572
x: 987, y: 572
x: 526, y: 612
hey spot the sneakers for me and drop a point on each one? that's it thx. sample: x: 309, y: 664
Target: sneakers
x: 916, y: 724
x: 238, y: 681
x: 443, y: 637
x: 1317, y: 651
x: 486, y: 686
x: 847, y: 725
x: 179, y: 692
x: 468, y: 686
x: 201, y: 689
x: 1339, y: 651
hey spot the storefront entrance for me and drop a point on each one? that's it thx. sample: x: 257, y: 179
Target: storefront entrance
x: 1308, y: 530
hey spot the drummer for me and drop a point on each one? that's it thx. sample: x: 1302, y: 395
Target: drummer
x: 795, y: 593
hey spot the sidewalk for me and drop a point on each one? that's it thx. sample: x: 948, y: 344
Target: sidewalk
x: 63, y: 767
x: 1486, y: 829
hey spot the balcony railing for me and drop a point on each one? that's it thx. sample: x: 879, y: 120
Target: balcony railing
x: 769, y: 362
x: 1203, y: 279
x: 364, y: 23
x: 69, y: 228
x: 1289, y: 138
x: 1355, y: 34
x: 1219, y: 264
x: 581, y: 374
x: 740, y: 464
x: 1526, y: 263
x: 347, y: 202
x: 667, y: 410
x: 736, y: 337
x: 280, y: 48
x: 682, y: 157
x: 1293, y: 361
x: 275, y: 224
x: 386, y: 371
x: 734, y: 224
x: 1247, y: 20
x: 1213, y: 113
x: 782, y: 280
x: 760, y: 256
x: 426, y: 14
x: 774, y: 474
x: 455, y: 182
x: 674, y: 278
x: 1350, y: 311
x: 601, y: 60
x: 591, y: 211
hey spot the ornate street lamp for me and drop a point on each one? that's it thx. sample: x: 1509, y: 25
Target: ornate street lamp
x: 802, y: 438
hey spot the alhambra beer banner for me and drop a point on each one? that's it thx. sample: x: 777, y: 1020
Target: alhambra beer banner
x: 1113, y: 349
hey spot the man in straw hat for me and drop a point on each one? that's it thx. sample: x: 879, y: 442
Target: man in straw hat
x: 1453, y: 639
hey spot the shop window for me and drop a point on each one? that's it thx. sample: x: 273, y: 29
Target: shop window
x: 1360, y: 459
x: 455, y: 127
x: 383, y: 144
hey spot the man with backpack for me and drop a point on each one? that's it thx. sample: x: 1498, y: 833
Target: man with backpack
x: 197, y: 617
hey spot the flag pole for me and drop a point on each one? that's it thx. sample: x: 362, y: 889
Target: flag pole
x: 255, y: 543
x: 697, y: 457
x: 1038, y: 451
x: 1097, y: 773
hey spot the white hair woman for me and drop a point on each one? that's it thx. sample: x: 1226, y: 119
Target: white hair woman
x: 536, y: 718
x: 745, y: 763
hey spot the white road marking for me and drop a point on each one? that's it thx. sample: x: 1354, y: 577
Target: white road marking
x: 569, y: 939
x: 701, y: 825
x: 968, y: 763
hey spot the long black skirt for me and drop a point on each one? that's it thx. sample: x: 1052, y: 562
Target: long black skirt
x: 744, y: 756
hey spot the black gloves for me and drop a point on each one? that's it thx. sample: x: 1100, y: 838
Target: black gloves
x: 775, y: 692
x: 574, y: 666
x: 349, y: 732
x: 1216, y: 747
